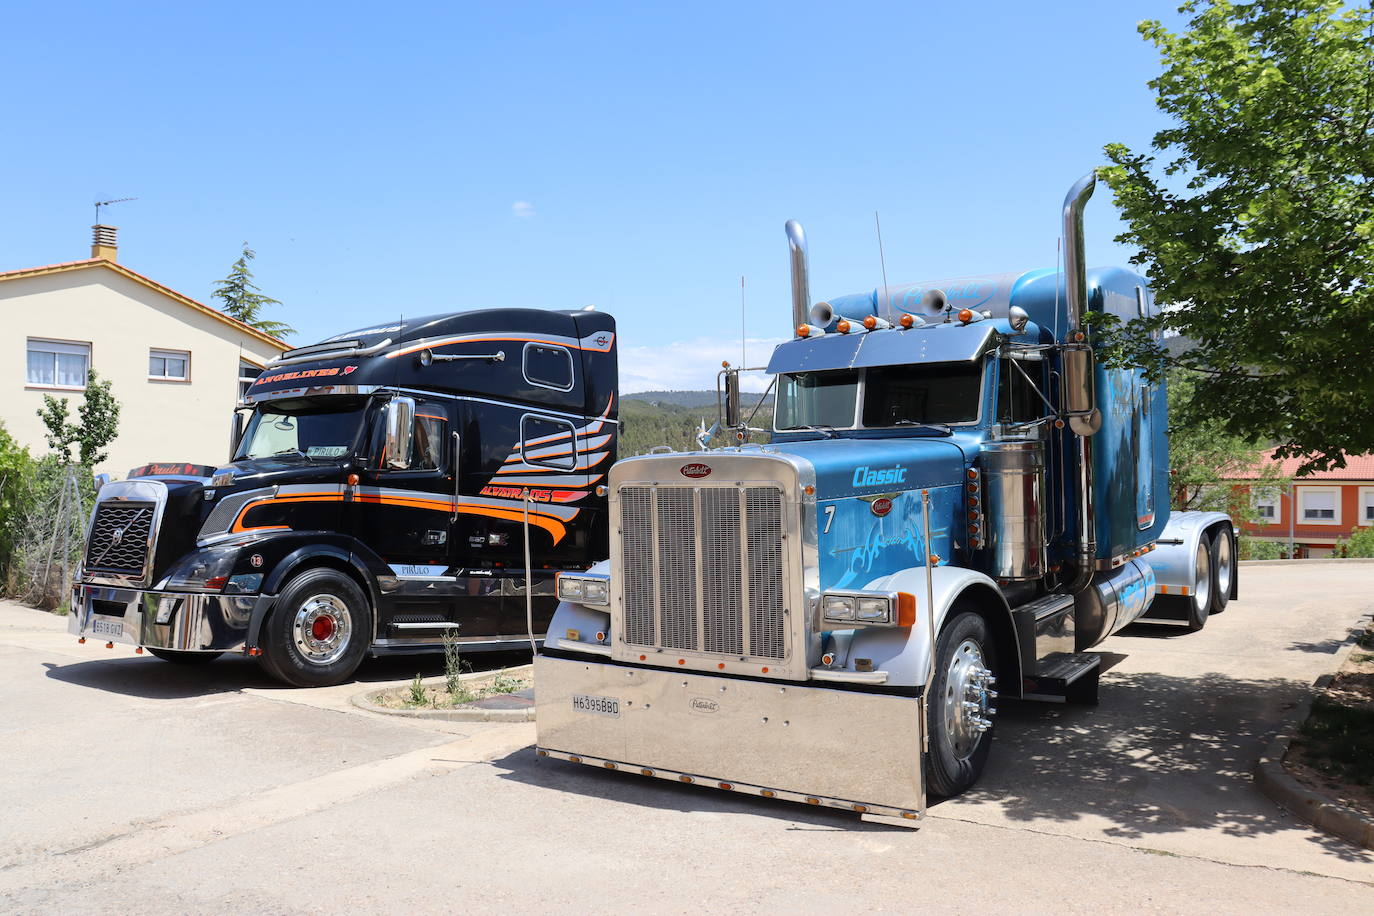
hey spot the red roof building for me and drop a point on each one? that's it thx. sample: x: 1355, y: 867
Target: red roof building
x: 1308, y: 516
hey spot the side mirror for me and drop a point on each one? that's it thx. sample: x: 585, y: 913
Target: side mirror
x: 1080, y: 396
x: 400, y: 430
x: 732, y: 411
x: 236, y: 427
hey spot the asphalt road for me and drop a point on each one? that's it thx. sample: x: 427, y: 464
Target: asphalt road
x: 133, y: 784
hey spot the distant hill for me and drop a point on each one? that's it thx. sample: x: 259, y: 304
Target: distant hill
x: 672, y: 418
x: 694, y: 399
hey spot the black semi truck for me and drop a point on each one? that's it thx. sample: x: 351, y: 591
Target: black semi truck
x: 382, y: 487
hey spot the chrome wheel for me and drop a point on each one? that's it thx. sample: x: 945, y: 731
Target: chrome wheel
x: 968, y: 709
x: 1224, y: 564
x: 322, y: 629
x: 1202, y: 578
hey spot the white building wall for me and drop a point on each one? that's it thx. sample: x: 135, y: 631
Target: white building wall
x: 122, y: 320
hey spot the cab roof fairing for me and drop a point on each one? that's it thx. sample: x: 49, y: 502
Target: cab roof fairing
x: 943, y: 343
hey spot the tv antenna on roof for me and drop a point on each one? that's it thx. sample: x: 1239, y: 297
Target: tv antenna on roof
x: 106, y: 203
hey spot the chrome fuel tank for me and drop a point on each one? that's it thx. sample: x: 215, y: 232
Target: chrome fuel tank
x: 1113, y: 600
x: 1014, y: 489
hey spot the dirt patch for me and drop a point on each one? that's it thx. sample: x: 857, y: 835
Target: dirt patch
x: 438, y: 693
x: 1334, y: 751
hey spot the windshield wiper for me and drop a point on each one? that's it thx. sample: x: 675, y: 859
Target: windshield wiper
x: 292, y: 451
x: 934, y: 427
x: 827, y: 431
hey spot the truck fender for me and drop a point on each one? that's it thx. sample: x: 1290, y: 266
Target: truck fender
x: 903, y: 652
x: 584, y: 620
x: 288, y: 567
x: 1172, y: 558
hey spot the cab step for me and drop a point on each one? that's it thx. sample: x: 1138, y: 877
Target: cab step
x: 1065, y: 677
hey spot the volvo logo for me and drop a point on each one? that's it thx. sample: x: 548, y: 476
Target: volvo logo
x: 696, y: 471
x: 116, y: 537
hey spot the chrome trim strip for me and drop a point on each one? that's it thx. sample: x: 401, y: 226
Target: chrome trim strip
x: 250, y: 400
x: 349, y: 353
x: 435, y: 625
x: 848, y: 677
x: 593, y: 648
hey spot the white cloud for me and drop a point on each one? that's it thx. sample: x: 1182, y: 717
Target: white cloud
x: 522, y: 209
x: 691, y: 365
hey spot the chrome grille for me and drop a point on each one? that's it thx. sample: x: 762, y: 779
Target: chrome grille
x: 118, y: 542
x: 702, y: 569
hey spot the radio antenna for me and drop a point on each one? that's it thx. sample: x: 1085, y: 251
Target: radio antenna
x: 742, y: 360
x: 106, y: 203
x: 882, y: 261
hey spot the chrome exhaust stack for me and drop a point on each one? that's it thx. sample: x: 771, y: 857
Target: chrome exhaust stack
x: 801, y: 274
x: 1079, y: 374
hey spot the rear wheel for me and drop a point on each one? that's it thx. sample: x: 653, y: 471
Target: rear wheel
x: 1200, y: 602
x: 1223, y: 568
x: 318, y: 631
x: 960, y: 705
x: 178, y: 657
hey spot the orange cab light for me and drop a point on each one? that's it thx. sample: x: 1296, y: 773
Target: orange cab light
x: 966, y: 315
x: 138, y: 650
x: 721, y: 666
x: 906, y: 609
x: 646, y: 772
x: 972, y: 474
x: 109, y: 645
x: 870, y: 322
x: 803, y: 330
x: 768, y: 793
x: 813, y: 801
x: 842, y: 327
x: 725, y: 785
x: 643, y: 657
x: 906, y: 321
x: 765, y: 669
x: 82, y: 640
x: 608, y: 765
x: 809, y: 490
x: 685, y: 778
x: 682, y: 661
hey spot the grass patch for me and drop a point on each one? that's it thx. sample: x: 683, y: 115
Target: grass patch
x: 1339, y: 741
x: 451, y: 693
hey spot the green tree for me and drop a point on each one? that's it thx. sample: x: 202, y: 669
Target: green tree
x: 17, y: 470
x: 98, y: 424
x: 1205, y: 460
x: 1359, y: 544
x: 244, y: 300
x: 1255, y: 226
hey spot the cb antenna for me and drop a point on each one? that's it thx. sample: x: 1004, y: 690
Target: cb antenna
x: 106, y: 203
x: 882, y: 261
x: 743, y: 360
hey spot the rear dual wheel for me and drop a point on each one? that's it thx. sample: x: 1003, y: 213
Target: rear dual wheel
x: 1214, y: 568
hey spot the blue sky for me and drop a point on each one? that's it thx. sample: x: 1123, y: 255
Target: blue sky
x: 408, y: 158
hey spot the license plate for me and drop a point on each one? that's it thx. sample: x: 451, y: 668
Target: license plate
x: 597, y: 706
x: 107, y: 627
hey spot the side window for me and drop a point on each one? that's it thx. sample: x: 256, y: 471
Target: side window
x: 548, y: 443
x: 549, y: 366
x: 1017, y: 401
x: 431, y: 429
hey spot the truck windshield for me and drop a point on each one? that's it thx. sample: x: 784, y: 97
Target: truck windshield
x: 817, y: 399
x: 936, y: 393
x: 316, y: 428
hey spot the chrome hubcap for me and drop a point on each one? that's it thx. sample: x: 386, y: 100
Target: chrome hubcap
x: 322, y: 629
x: 1202, y: 579
x: 968, y: 699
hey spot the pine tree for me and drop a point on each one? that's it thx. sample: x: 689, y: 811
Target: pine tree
x: 244, y: 300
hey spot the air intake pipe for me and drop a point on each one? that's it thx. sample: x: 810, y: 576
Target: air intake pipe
x: 1078, y: 356
x: 801, y: 279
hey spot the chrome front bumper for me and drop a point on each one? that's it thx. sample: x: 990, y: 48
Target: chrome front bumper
x: 837, y: 748
x: 183, y: 621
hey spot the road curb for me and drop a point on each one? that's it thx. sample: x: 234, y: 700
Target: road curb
x: 364, y: 701
x: 1316, y: 808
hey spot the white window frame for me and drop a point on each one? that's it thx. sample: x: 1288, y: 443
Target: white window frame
x: 166, y: 354
x: 67, y: 347
x: 1267, y: 496
x: 1301, y: 516
x: 1365, y: 505
x: 246, y: 381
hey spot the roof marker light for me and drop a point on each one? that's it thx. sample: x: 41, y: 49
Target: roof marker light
x: 908, y: 321
x: 843, y: 326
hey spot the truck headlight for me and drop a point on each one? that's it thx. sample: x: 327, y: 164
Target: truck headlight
x: 203, y: 571
x: 869, y: 609
x: 582, y: 589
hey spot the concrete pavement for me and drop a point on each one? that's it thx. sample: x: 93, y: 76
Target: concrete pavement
x: 134, y: 783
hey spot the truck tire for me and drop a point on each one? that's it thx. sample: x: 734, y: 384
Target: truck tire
x: 178, y: 657
x: 319, y: 630
x: 1204, y: 579
x: 959, y: 745
x: 1223, y: 568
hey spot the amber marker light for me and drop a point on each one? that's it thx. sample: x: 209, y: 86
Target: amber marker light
x: 842, y: 327
x: 768, y: 793
x: 906, y: 321
x: 906, y: 609
x: 809, y: 490
x: 966, y: 315
x: 803, y: 330
x: 870, y: 322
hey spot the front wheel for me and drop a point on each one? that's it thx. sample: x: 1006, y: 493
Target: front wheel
x: 318, y: 631
x: 960, y: 711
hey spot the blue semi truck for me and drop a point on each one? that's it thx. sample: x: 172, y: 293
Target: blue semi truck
x: 957, y: 502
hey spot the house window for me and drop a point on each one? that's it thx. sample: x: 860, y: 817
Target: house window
x: 248, y: 374
x: 1267, y: 506
x: 1319, y: 505
x: 169, y: 365
x: 58, y: 363
x: 1366, y: 506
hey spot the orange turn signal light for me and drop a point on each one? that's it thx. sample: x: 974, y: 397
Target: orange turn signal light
x: 871, y: 322
x: 843, y: 326
x: 906, y: 321
x: 906, y: 609
x: 803, y: 330
x: 966, y: 315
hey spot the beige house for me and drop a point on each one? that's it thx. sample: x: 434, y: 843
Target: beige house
x: 177, y: 366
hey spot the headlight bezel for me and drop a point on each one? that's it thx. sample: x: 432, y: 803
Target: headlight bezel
x: 845, y: 608
x: 584, y: 588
